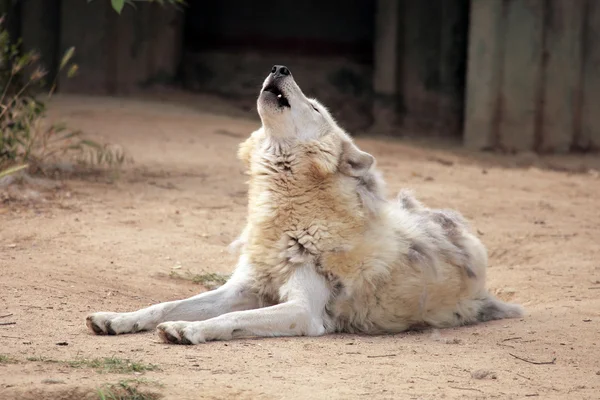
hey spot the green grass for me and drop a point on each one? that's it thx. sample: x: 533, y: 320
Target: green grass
x: 4, y: 359
x: 129, y: 390
x: 210, y: 280
x: 103, y: 365
x: 42, y: 359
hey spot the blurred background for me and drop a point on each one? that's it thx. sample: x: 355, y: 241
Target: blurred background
x: 488, y: 107
x: 509, y: 75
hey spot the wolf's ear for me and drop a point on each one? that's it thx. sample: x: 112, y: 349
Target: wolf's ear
x: 354, y: 162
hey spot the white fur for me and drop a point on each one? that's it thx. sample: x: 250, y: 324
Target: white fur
x: 323, y: 249
x: 301, y: 313
x: 232, y: 296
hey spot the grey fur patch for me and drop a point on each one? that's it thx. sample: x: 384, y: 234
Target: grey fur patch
x: 336, y: 286
x: 300, y: 246
x: 451, y: 221
x: 446, y: 222
x: 424, y: 256
x: 453, y: 224
x: 408, y: 201
x: 458, y: 256
x: 469, y: 272
x: 492, y: 309
x: 109, y: 328
x: 446, y: 242
x: 370, y: 190
x: 423, y: 302
x: 283, y: 166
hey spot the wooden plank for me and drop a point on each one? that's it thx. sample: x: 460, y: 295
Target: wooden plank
x: 385, y: 74
x: 147, y: 47
x: 84, y: 26
x: 522, y: 77
x: 454, y: 32
x: 420, y: 78
x: 11, y: 11
x: 590, y: 121
x: 132, y: 47
x: 483, y: 74
x: 386, y: 47
x: 166, y: 34
x: 563, y: 30
x: 41, y: 19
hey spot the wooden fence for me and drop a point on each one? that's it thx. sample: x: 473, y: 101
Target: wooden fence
x: 116, y: 53
x: 533, y: 80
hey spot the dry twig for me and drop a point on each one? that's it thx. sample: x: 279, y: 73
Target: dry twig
x: 10, y: 337
x: 464, y: 388
x: 534, y: 362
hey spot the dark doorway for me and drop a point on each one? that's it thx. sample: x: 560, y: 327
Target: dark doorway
x: 230, y: 46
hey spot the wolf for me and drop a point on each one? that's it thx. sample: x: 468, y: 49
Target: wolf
x: 324, y: 249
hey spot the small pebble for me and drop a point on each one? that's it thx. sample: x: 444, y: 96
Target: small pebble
x: 483, y: 374
x: 52, y: 381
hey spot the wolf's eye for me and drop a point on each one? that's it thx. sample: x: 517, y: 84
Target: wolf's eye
x: 315, y: 108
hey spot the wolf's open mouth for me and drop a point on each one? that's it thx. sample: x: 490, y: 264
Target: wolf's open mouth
x: 281, y: 99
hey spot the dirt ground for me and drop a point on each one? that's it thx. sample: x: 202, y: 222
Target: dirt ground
x: 111, y: 245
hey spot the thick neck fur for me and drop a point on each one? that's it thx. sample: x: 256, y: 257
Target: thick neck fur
x: 290, y: 181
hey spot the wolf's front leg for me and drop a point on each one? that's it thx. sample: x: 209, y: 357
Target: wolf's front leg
x: 232, y: 296
x: 306, y: 295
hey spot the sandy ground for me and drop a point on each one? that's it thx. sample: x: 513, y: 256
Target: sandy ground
x: 110, y: 245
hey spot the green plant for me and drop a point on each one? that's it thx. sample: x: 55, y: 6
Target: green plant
x: 128, y: 390
x: 26, y: 139
x: 210, y: 280
x: 4, y: 359
x: 12, y: 170
x: 102, y: 365
x: 119, y: 4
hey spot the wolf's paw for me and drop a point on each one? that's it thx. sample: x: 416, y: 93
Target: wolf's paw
x: 110, y: 323
x: 180, y: 332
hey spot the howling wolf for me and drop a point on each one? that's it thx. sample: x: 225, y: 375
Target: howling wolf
x: 323, y: 249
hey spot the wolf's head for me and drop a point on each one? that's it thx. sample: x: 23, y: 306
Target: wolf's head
x: 286, y: 113
x: 322, y: 148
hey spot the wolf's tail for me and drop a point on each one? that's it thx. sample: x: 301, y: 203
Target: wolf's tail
x: 492, y: 308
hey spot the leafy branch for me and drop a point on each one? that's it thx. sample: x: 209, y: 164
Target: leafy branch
x: 26, y: 141
x: 118, y: 5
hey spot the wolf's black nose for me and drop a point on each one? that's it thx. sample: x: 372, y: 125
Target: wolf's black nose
x: 280, y: 71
